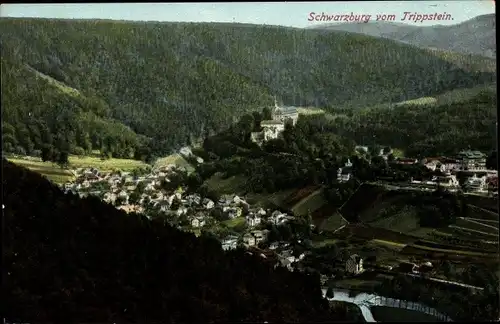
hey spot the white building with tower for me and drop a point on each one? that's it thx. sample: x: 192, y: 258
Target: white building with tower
x: 271, y: 129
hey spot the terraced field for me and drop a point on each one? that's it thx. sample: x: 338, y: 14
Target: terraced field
x: 310, y: 203
x: 460, y: 256
x: 478, y: 226
x: 297, y: 196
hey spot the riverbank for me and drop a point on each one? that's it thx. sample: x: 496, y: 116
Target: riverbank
x: 384, y: 306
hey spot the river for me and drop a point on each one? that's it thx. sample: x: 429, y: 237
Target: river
x: 364, y: 301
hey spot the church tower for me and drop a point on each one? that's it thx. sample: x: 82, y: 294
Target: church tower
x: 277, y: 110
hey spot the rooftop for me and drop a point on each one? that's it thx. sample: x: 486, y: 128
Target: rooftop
x: 287, y: 110
x: 270, y: 122
x: 471, y: 154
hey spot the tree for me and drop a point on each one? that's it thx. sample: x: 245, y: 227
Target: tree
x: 176, y: 203
x: 77, y: 150
x: 379, y: 162
x: 134, y: 197
x: 47, y: 153
x: 330, y: 293
x: 218, y: 214
x: 492, y: 161
x: 267, y: 113
x: 62, y: 159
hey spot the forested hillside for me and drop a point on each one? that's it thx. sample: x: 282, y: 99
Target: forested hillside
x: 426, y: 130
x: 73, y: 260
x: 174, y: 82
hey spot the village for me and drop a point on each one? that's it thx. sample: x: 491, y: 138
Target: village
x: 148, y: 190
x: 162, y: 192
x: 189, y: 211
x: 470, y: 164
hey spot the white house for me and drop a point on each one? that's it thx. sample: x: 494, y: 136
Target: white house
x: 354, y: 264
x: 476, y: 183
x: 271, y: 129
x: 344, y: 174
x: 447, y: 181
x: 253, y: 220
x: 276, y: 245
x: 229, y: 243
x: 278, y: 218
x: 198, y: 222
x: 181, y: 211
x: 249, y: 239
x: 260, y: 235
x: 261, y: 212
x: 208, y: 204
x: 435, y: 165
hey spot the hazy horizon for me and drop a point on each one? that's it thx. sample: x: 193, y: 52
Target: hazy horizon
x: 291, y: 14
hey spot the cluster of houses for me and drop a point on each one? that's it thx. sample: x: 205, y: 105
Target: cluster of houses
x: 472, y: 164
x: 117, y: 188
x: 279, y: 254
x: 355, y: 265
x: 271, y: 129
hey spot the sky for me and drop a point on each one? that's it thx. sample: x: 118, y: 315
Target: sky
x: 292, y: 14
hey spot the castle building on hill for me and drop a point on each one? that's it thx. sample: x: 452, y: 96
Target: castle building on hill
x: 271, y: 129
x: 283, y: 113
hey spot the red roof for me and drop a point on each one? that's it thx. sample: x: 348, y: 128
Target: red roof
x: 492, y: 180
x: 405, y: 160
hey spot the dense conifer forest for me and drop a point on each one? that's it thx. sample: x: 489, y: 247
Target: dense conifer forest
x: 132, y: 88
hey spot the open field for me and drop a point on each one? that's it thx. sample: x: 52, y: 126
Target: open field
x: 105, y: 165
x: 274, y: 199
x: 310, y: 203
x: 393, y: 245
x: 50, y: 170
x: 234, y: 184
x: 448, y: 255
x: 417, y: 102
x: 398, y: 153
x: 433, y: 245
x: 237, y: 221
x: 59, y: 175
x: 394, y: 314
x: 487, y: 203
x: 467, y: 234
x: 389, y: 210
x: 298, y: 195
x: 475, y: 211
x: 372, y: 233
x: 310, y: 111
x: 175, y: 159
x: 327, y: 216
x: 478, y: 226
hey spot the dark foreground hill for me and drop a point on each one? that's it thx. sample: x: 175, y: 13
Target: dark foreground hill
x: 73, y: 260
x: 474, y: 36
x: 82, y: 81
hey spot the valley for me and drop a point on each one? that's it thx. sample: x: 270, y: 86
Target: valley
x: 253, y: 164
